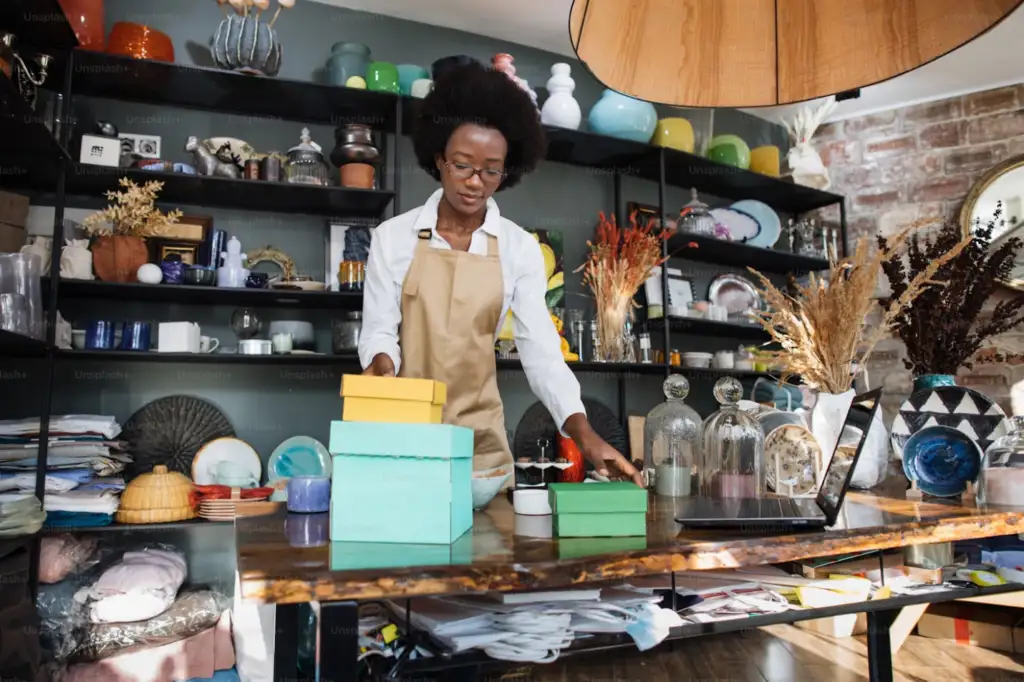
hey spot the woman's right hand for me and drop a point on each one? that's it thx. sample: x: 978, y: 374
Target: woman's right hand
x: 381, y: 366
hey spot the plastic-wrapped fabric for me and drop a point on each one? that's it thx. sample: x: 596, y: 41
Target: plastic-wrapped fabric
x: 140, y: 586
x: 191, y: 613
x: 62, y: 554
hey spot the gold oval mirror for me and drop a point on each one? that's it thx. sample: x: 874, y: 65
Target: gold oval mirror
x: 1003, y: 184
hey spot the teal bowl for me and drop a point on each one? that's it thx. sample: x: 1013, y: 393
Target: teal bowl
x: 407, y: 73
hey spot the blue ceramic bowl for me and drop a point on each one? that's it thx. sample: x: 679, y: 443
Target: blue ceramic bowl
x: 407, y: 73
x: 941, y: 460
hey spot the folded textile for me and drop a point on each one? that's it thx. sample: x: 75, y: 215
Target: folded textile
x: 27, y: 482
x: 10, y: 452
x: 101, y: 466
x: 103, y: 483
x: 63, y: 425
x: 142, y: 585
x: 93, y: 501
x: 63, y: 519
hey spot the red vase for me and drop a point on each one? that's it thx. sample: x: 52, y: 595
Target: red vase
x: 86, y: 19
x: 567, y: 450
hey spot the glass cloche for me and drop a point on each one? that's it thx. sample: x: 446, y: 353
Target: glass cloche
x: 672, y: 441
x: 696, y: 218
x: 732, y: 462
x: 1001, y: 480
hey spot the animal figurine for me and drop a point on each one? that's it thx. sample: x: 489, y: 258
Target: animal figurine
x: 208, y: 164
x: 805, y: 163
x: 76, y: 259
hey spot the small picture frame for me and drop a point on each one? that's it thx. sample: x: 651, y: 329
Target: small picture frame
x: 190, y: 232
x: 188, y: 253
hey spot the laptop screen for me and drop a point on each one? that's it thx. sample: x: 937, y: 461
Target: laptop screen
x: 844, y: 457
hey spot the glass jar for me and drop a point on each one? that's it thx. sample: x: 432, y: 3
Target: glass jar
x: 1002, y: 468
x: 732, y: 449
x: 350, y: 275
x: 696, y: 218
x: 306, y: 165
x: 345, y: 335
x: 672, y: 441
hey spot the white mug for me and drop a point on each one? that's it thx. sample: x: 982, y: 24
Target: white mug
x: 421, y: 87
x: 724, y: 359
x: 282, y: 343
x: 208, y: 344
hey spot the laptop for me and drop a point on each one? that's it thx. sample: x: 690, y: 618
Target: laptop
x: 777, y: 512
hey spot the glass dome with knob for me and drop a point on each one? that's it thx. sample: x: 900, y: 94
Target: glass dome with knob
x: 1001, y: 480
x: 732, y: 447
x: 672, y: 441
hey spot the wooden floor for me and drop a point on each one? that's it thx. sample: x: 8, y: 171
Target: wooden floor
x: 781, y: 653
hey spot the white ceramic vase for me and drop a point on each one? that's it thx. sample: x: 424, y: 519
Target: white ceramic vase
x: 827, y: 418
x: 561, y: 109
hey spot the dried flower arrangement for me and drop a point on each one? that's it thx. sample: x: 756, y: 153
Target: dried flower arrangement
x: 941, y: 330
x: 131, y: 213
x: 821, y: 328
x: 620, y: 261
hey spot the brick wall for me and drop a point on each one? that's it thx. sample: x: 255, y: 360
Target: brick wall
x: 916, y: 162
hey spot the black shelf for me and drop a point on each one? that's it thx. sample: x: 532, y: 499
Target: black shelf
x: 18, y: 345
x: 184, y: 294
x: 619, y: 369
x: 129, y: 527
x: 211, y: 89
x: 255, y: 195
x: 700, y: 327
x: 720, y: 252
x: 23, y: 133
x: 208, y: 358
x: 38, y: 23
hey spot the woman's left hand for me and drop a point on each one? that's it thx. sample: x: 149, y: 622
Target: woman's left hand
x: 607, y: 460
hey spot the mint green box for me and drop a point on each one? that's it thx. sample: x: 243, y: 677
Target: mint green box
x: 360, y: 556
x: 613, y: 525
x: 577, y: 548
x: 585, y: 510
x: 400, y: 483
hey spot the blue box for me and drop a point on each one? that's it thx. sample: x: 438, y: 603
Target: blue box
x: 405, y: 483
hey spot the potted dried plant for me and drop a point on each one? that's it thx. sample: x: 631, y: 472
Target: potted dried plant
x: 943, y: 330
x: 119, y: 231
x: 620, y: 261
x: 821, y: 326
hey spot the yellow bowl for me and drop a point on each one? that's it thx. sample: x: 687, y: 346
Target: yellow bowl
x: 765, y: 160
x: 675, y: 133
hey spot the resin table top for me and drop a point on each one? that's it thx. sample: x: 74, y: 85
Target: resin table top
x: 504, y: 551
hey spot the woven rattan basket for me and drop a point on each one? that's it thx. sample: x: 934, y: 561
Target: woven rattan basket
x: 158, y: 497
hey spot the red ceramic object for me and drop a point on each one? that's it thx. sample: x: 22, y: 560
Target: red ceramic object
x: 567, y: 450
x: 140, y: 42
x: 86, y: 19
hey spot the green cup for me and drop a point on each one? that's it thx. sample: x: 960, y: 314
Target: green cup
x: 382, y: 77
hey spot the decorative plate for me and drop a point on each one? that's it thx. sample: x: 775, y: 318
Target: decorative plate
x: 941, y: 459
x: 742, y: 227
x: 736, y: 294
x: 773, y: 419
x: 792, y: 450
x: 958, y: 407
x: 238, y: 452
x: 299, y: 456
x: 771, y: 226
x: 170, y: 431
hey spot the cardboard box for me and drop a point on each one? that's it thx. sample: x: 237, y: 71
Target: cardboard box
x: 396, y: 411
x: 14, y: 209
x: 404, y: 483
x: 855, y: 565
x: 12, y: 238
x: 391, y: 388
x: 991, y: 627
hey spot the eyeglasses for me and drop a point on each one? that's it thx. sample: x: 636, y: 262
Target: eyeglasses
x: 463, y: 171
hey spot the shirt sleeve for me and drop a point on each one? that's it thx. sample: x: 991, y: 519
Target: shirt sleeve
x: 382, y: 312
x: 538, y: 342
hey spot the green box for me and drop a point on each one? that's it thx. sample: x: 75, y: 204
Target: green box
x: 597, y: 498
x: 576, y: 548
x: 613, y: 525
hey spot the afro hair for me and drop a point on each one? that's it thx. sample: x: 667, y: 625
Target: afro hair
x: 473, y: 93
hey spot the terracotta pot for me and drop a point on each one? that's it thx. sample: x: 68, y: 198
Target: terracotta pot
x: 140, y: 42
x: 567, y: 450
x: 86, y: 19
x: 118, y: 258
x: 357, y: 175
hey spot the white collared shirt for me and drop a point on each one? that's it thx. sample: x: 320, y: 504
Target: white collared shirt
x: 522, y: 269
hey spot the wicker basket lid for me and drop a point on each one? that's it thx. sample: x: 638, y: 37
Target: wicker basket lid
x: 160, y: 489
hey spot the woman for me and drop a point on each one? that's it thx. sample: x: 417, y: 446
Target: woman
x: 441, y: 277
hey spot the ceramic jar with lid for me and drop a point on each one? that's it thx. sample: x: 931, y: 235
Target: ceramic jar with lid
x: 161, y: 496
x: 672, y: 441
x: 732, y: 452
x: 355, y: 155
x: 696, y: 218
x: 306, y: 165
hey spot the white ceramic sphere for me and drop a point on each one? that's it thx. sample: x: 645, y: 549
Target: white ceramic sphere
x: 150, y: 273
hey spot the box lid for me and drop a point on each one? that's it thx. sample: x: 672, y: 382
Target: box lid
x: 596, y: 498
x: 392, y: 388
x: 383, y: 439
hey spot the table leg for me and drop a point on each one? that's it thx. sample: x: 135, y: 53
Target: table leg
x: 339, y: 641
x: 879, y: 645
x: 286, y: 643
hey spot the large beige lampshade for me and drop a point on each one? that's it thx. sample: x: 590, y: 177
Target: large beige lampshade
x: 750, y: 53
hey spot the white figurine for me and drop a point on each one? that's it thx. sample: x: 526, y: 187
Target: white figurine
x: 805, y: 163
x: 76, y: 259
x: 232, y: 274
x: 561, y: 109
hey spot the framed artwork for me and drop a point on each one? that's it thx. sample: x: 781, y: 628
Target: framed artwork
x: 552, y: 248
x: 348, y: 241
x: 188, y: 253
x: 192, y: 235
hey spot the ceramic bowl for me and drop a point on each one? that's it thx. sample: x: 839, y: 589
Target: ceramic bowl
x: 941, y: 460
x: 697, y: 360
x: 302, y: 333
x: 773, y: 419
x: 199, y: 276
x: 486, y: 485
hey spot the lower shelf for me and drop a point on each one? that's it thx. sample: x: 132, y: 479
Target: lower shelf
x: 126, y: 527
x: 701, y: 327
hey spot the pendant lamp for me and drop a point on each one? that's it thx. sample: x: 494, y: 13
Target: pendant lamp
x: 752, y: 53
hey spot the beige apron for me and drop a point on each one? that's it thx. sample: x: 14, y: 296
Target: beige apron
x: 451, y: 304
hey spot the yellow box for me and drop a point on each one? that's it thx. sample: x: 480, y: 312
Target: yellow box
x: 391, y: 388
x: 393, y: 411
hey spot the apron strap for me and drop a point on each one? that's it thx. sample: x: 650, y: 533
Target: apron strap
x: 492, y: 245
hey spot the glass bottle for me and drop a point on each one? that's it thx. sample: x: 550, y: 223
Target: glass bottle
x: 645, y: 348
x: 1001, y: 480
x: 672, y: 441
x: 732, y: 451
x: 596, y: 352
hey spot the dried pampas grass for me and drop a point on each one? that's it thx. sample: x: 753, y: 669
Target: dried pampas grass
x: 821, y: 329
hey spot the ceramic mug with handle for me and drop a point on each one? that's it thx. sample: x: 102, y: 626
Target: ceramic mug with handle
x: 208, y: 344
x: 233, y: 475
